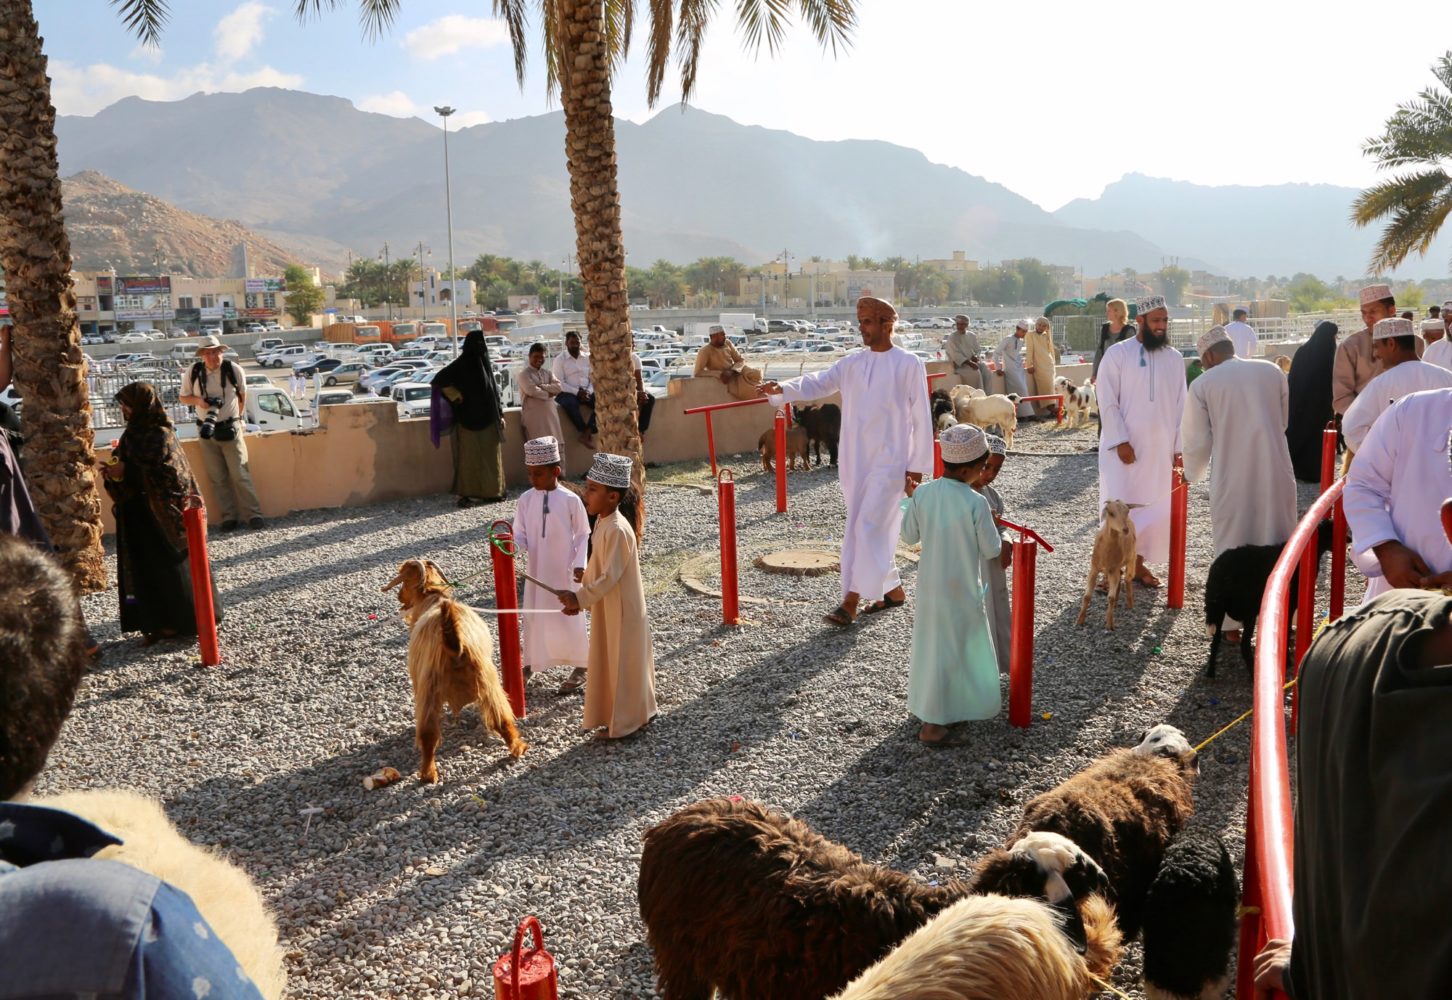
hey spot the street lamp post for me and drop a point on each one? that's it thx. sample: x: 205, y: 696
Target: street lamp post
x: 443, y: 111
x: 387, y: 304
x: 423, y: 280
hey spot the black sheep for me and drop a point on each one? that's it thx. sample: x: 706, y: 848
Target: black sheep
x: 823, y: 425
x: 1236, y: 587
x: 942, y: 404
x: 1190, y: 919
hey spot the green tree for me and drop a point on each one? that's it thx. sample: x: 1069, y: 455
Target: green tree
x: 304, y: 297
x: 1308, y: 293
x: 1173, y: 281
x: 1417, y: 139
x: 1037, y: 285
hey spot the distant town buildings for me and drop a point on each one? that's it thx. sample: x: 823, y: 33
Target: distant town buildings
x: 118, y: 303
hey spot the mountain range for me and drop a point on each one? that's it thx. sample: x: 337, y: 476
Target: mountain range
x: 318, y: 176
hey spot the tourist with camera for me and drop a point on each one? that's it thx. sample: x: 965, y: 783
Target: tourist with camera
x: 215, y: 389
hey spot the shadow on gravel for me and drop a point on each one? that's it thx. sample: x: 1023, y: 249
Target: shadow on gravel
x: 585, y: 787
x: 1049, y: 487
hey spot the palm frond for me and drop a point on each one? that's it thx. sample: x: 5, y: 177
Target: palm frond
x: 551, y: 31
x: 1417, y: 204
x: 763, y: 20
x: 143, y: 18
x: 1388, y: 196
x: 831, y: 22
x: 695, y: 15
x: 617, y: 20
x: 512, y: 13
x: 1442, y: 70
x: 376, y: 16
x: 658, y: 49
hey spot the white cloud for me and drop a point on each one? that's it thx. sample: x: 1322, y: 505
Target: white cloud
x: 147, y: 53
x: 395, y: 103
x: 239, y: 32
x: 84, y: 90
x: 400, y: 105
x: 454, y: 33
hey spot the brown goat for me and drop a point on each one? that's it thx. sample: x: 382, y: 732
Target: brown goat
x: 1122, y: 811
x: 749, y: 902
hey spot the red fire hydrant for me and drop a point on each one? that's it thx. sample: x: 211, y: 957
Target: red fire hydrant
x: 530, y: 975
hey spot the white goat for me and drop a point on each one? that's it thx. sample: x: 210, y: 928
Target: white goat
x: 1079, y: 402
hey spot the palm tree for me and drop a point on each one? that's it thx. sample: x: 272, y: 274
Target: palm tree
x: 36, y: 256
x: 585, y: 42
x: 1419, y: 137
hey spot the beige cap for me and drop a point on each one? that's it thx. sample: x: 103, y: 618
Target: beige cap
x: 1211, y: 337
x: 1386, y: 329
x: 1375, y: 293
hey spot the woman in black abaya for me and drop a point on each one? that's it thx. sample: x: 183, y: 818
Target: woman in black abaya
x: 475, y: 421
x: 1310, y: 401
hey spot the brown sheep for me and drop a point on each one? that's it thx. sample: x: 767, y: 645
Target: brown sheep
x: 1123, y: 810
x: 752, y: 903
x: 992, y: 948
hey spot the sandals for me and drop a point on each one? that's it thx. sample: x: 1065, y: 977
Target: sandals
x: 886, y: 604
x: 840, y: 617
x: 1149, y: 580
x: 574, y: 682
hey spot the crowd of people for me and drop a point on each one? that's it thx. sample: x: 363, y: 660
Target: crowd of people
x: 1374, y: 693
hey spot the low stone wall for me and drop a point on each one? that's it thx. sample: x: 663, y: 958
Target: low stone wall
x: 363, y: 454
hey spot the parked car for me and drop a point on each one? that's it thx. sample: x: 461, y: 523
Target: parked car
x: 141, y: 358
x: 312, y: 366
x: 257, y: 380
x: 334, y: 397
x: 271, y: 409
x: 134, y: 337
x: 185, y: 351
x: 348, y: 371
x: 414, y: 399
x: 287, y: 355
x: 656, y: 382
x: 377, y: 353
x: 383, y: 386
x: 371, y: 379
x: 265, y: 346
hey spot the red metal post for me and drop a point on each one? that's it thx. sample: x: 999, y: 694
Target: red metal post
x: 1328, y: 456
x: 1338, y: 562
x: 781, y: 462
x: 194, y: 516
x: 1179, y: 520
x: 1252, y: 935
x: 506, y: 598
x: 726, y: 505
x: 1021, y: 643
x: 937, y: 458
x: 1059, y: 417
x: 711, y: 442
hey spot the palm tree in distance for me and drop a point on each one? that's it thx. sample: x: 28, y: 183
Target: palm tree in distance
x: 1418, y: 138
x: 584, y: 43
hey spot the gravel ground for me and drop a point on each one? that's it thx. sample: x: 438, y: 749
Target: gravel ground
x: 413, y: 891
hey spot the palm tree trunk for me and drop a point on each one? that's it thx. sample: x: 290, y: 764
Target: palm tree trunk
x: 600, y: 245
x: 36, y: 256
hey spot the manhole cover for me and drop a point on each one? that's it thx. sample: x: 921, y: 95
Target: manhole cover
x: 799, y: 562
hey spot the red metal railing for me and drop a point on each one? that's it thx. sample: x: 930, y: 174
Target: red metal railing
x: 1179, y: 530
x: 1267, y: 885
x: 1059, y: 415
x: 194, y: 518
x: 726, y: 512
x: 506, y: 595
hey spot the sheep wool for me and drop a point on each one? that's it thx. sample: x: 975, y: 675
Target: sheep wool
x: 755, y: 905
x: 990, y: 948
x: 223, y: 893
x: 1189, y: 920
x: 1122, y: 810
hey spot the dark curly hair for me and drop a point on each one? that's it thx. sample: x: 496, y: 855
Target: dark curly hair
x: 42, y: 657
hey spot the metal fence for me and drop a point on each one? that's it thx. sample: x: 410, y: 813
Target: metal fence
x: 103, y: 385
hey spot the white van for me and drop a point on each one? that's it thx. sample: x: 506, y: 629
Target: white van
x: 183, y: 352
x: 271, y: 409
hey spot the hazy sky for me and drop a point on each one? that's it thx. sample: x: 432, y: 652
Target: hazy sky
x: 1053, y: 99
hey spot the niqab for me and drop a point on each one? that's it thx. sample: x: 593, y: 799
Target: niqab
x: 1309, y: 381
x: 472, y: 374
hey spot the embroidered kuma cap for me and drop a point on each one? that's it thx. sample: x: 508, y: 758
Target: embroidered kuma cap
x: 962, y: 443
x: 1149, y: 303
x: 996, y: 444
x: 542, y: 451
x: 1211, y: 337
x: 1386, y: 329
x: 611, y: 470
x: 1432, y: 326
x: 1375, y: 293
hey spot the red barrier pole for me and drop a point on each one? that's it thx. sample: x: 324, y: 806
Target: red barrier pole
x: 1059, y: 414
x: 726, y: 507
x: 1338, y: 562
x: 1328, y: 456
x: 506, y: 597
x: 1252, y: 932
x: 711, y: 443
x: 1021, y: 643
x: 781, y: 462
x: 937, y: 458
x: 194, y: 516
x: 1179, y: 520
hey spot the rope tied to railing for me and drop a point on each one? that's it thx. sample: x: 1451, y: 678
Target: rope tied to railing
x: 1241, y: 718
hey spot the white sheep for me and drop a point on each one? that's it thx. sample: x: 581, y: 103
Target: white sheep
x: 223, y: 893
x: 991, y: 411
